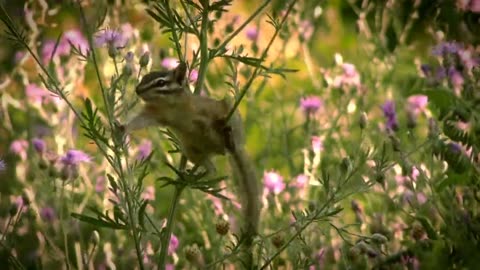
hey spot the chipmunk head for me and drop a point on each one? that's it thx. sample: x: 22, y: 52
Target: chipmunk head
x: 161, y: 83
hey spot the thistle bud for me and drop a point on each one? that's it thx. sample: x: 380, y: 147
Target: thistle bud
x: 13, y: 209
x: 144, y: 59
x: 433, y: 130
x: 193, y: 255
x: 95, y: 237
x: 222, y: 227
x: 411, y: 120
x: 380, y: 178
x: 363, y: 121
x: 354, y: 253
x: 395, y: 143
x: 379, y: 238
x: 346, y: 165
x: 42, y: 164
x: 362, y: 246
x: 418, y: 232
x: 278, y: 240
x: 127, y: 70
x: 112, y: 50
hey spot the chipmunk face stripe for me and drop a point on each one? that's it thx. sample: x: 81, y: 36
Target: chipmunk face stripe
x: 162, y: 82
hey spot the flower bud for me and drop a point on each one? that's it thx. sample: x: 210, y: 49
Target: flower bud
x: 144, y: 59
x: 380, y: 178
x: 379, y: 238
x: 42, y: 164
x: 25, y: 200
x: 363, y: 121
x: 278, y: 240
x: 193, y: 255
x: 411, y: 120
x: 222, y: 227
x: 433, y: 130
x: 346, y: 165
x: 95, y: 237
x: 395, y: 143
x: 112, y: 50
x: 354, y: 253
x: 417, y: 231
x: 13, y: 209
x: 362, y: 246
x: 127, y: 70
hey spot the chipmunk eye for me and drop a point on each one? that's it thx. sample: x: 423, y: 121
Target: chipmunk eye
x: 160, y: 83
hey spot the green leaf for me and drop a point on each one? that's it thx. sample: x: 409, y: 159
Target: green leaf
x: 112, y: 182
x: 443, y: 99
x: 98, y: 222
x: 141, y: 214
x: 428, y: 227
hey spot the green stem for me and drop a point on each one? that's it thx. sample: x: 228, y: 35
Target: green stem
x: 175, y: 38
x: 204, y: 56
x: 121, y: 174
x: 62, y: 219
x: 4, y: 235
x: 168, y: 229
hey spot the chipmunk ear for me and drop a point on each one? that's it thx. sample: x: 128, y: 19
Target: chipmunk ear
x: 180, y: 72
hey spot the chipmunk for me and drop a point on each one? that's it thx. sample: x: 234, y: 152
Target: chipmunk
x: 200, y: 124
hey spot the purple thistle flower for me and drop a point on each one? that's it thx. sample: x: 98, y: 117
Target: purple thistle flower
x: 169, y: 62
x: 144, y: 149
x: 48, y: 214
x: 417, y: 104
x: 301, y: 181
x: 173, y: 245
x: 74, y: 157
x: 273, y: 182
x: 468, y: 60
x: 19, y: 147
x: 39, y: 145
x: 350, y: 76
x: 76, y: 38
x: 311, y: 104
x: 19, y: 56
x: 3, y: 165
x: 36, y: 93
x: 456, y: 77
x: 305, y: 29
x: 426, y: 69
x: 100, y: 184
x: 455, y: 147
x: 475, y: 6
x: 441, y: 74
x: 129, y: 57
x: 317, y: 144
x: 390, y: 115
x: 446, y: 48
x: 63, y: 49
x: 193, y: 75
x: 252, y: 33
x: 112, y: 38
x: 149, y: 193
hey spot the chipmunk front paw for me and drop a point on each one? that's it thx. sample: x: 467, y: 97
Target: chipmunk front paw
x: 119, y: 127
